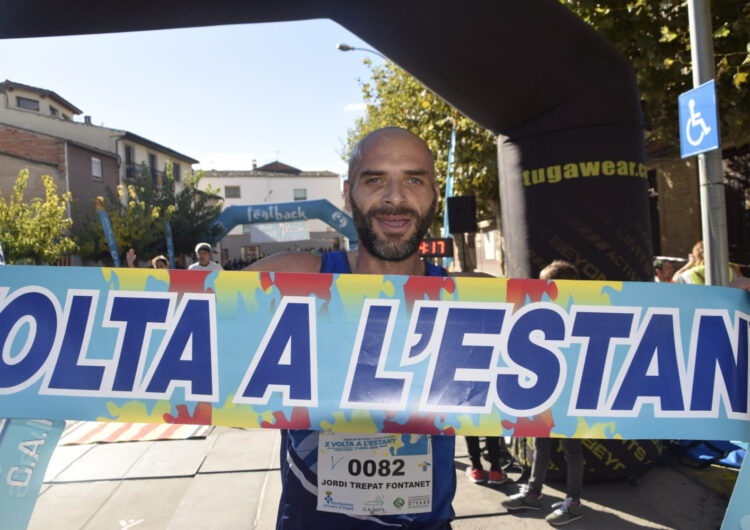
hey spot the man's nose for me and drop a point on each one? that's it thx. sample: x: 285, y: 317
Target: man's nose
x: 394, y: 193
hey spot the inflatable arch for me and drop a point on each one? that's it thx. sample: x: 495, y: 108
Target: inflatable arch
x: 562, y: 100
x: 286, y: 212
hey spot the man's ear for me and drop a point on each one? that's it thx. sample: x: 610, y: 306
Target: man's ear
x: 437, y: 194
x: 347, y: 191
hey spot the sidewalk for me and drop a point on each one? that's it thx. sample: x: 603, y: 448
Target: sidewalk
x: 231, y: 480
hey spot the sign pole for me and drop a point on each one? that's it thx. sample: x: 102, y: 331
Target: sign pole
x: 710, y: 171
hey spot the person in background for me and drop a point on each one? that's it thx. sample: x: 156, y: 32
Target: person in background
x: 476, y: 472
x: 663, y: 270
x: 530, y: 497
x: 130, y: 258
x: 160, y: 262
x: 204, y: 263
x: 694, y: 271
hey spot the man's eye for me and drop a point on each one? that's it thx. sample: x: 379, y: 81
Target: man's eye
x: 415, y: 180
x: 372, y: 180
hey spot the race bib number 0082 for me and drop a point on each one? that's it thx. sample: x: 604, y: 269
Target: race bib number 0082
x: 374, y: 474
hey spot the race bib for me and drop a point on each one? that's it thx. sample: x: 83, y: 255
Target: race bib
x: 374, y: 474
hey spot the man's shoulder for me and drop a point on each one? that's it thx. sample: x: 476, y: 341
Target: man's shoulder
x: 287, y: 262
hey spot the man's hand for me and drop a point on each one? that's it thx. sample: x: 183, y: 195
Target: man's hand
x: 130, y: 256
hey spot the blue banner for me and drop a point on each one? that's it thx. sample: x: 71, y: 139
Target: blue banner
x: 109, y: 235
x: 478, y: 356
x: 26, y: 447
x: 170, y: 247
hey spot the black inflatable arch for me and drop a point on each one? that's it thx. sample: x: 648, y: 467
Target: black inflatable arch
x: 563, y: 101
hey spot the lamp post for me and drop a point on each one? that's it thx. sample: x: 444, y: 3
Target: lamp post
x: 346, y: 48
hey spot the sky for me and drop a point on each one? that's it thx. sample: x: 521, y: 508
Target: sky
x: 224, y: 95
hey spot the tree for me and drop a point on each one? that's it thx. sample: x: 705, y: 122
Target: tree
x: 655, y: 36
x: 394, y: 97
x: 190, y: 211
x: 137, y: 221
x: 35, y: 231
x: 139, y: 213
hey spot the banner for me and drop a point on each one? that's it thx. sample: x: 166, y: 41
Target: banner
x: 26, y: 447
x: 170, y: 247
x: 368, y: 353
x: 109, y: 233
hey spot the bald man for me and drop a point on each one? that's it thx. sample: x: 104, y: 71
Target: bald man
x: 392, y: 194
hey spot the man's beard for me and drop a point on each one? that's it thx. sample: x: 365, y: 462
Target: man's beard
x: 391, y: 249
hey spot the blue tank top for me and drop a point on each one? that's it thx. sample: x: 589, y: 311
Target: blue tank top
x: 299, y: 462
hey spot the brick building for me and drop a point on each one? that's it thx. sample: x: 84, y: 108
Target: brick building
x: 84, y: 171
x: 675, y: 202
x: 38, y: 133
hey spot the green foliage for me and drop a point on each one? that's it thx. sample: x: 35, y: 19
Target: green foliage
x: 395, y: 98
x: 190, y: 212
x: 655, y: 36
x: 139, y: 213
x: 35, y: 231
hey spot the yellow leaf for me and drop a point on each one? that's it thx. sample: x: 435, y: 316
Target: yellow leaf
x: 739, y: 78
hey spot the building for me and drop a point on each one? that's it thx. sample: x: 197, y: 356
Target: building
x: 675, y: 202
x: 40, y: 111
x: 38, y: 133
x: 275, y: 183
x: 83, y: 170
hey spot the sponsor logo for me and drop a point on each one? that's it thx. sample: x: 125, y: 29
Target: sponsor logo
x: 329, y: 502
x: 418, y: 501
x: 398, y: 502
x: 374, y: 506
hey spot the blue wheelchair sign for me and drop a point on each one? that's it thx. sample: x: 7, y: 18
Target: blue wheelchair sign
x: 699, y: 128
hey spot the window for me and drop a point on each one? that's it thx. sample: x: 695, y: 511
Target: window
x: 53, y: 112
x: 176, y: 172
x: 27, y: 103
x: 300, y: 194
x: 130, y: 169
x: 231, y: 192
x: 250, y: 253
x: 152, y: 168
x: 96, y: 168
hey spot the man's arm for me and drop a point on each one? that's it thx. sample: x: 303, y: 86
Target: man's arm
x: 287, y: 262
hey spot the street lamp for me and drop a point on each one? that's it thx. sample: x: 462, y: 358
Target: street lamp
x: 346, y: 48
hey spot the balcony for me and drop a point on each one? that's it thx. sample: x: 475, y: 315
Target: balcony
x: 134, y: 170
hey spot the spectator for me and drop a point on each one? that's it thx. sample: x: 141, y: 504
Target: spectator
x: 476, y: 472
x: 530, y: 497
x: 204, y: 263
x: 663, y: 270
x: 694, y: 270
x: 160, y: 262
